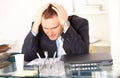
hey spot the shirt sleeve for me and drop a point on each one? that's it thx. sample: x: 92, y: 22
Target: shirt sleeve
x: 65, y: 29
x: 34, y: 33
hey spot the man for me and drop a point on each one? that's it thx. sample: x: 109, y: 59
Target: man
x: 52, y: 24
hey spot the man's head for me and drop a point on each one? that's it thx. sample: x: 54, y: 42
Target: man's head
x: 50, y: 23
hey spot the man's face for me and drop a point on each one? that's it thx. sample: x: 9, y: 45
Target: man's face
x: 52, y: 27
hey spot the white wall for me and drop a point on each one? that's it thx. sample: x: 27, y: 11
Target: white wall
x: 115, y: 35
x: 98, y: 18
x: 98, y: 25
x: 15, y: 18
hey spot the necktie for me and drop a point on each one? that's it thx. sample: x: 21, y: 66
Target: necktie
x: 60, y: 50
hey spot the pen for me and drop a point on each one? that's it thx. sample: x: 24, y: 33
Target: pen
x: 38, y: 55
x: 42, y: 65
x: 54, y: 55
x: 46, y: 54
x: 53, y: 60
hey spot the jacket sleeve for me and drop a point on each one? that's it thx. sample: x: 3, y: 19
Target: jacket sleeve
x: 77, y: 36
x: 30, y: 47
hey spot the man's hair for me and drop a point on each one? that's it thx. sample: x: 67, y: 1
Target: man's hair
x: 49, y: 12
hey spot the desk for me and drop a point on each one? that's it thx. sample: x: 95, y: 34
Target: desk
x: 81, y: 71
x: 71, y: 71
x: 10, y: 71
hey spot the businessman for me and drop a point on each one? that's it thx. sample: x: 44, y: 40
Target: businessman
x: 53, y: 28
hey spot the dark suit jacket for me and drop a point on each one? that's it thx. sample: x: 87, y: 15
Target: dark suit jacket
x: 76, y: 40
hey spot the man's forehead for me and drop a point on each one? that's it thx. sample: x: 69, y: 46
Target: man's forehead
x: 51, y: 22
x: 50, y: 27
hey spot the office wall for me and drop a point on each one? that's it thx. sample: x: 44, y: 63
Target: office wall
x: 115, y: 36
x: 98, y: 17
x: 15, y: 19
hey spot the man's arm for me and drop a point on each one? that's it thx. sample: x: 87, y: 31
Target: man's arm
x: 30, y: 47
x: 77, y: 36
x: 37, y: 18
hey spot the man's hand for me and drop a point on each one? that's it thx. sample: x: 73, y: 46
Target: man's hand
x: 62, y: 14
x: 37, y: 18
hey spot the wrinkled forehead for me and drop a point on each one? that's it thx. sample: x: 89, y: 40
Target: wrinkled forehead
x: 50, y: 22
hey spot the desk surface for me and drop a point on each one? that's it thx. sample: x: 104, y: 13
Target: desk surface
x: 10, y: 71
x: 71, y: 70
x: 78, y: 70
